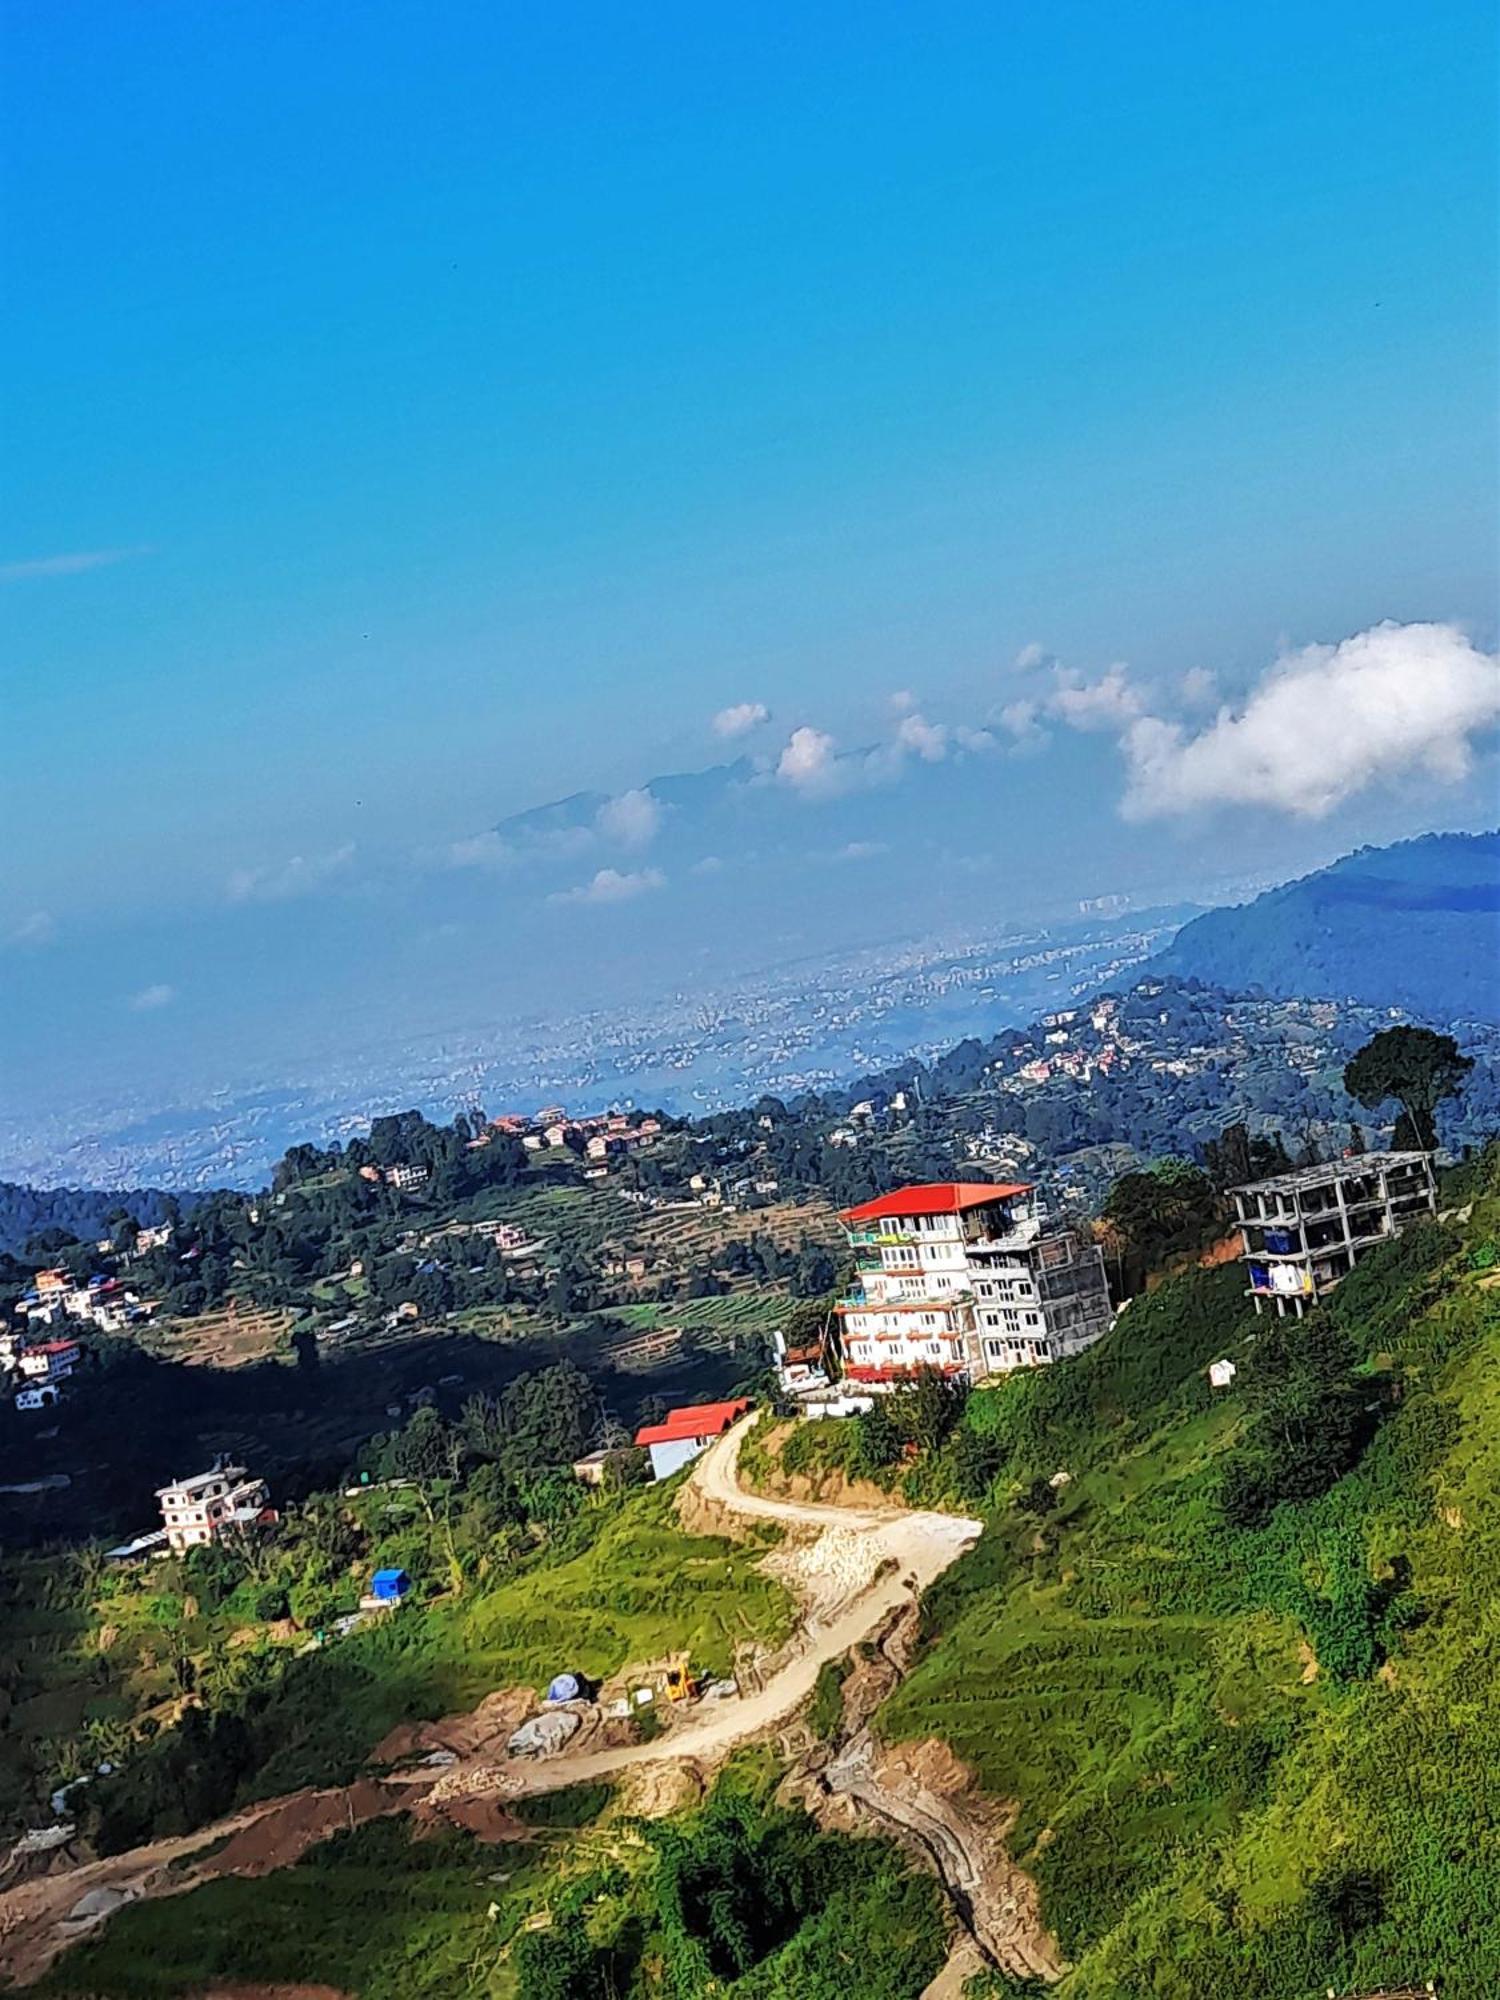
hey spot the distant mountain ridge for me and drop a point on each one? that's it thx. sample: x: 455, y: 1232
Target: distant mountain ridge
x: 692, y: 791
x: 1415, y: 926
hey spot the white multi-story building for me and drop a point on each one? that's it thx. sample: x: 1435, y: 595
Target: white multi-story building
x: 50, y: 1361
x: 1303, y: 1231
x: 965, y: 1277
x: 197, y: 1510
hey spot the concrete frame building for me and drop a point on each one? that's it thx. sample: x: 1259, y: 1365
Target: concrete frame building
x: 1303, y: 1231
x: 967, y: 1278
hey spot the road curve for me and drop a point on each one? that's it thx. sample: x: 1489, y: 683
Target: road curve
x: 912, y: 1549
x: 39, y: 1917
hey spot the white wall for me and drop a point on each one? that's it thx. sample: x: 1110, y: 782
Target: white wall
x: 671, y: 1457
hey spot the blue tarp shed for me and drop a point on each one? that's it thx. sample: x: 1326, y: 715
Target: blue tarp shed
x: 390, y: 1585
x: 565, y: 1687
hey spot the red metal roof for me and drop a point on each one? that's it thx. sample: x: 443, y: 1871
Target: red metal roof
x: 936, y: 1198
x: 697, y: 1420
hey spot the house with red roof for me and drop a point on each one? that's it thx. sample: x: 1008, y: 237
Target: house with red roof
x: 682, y: 1434
x: 965, y: 1277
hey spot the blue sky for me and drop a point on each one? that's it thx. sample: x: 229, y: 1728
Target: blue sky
x: 416, y: 414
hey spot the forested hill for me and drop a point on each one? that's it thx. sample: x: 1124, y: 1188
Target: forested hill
x: 26, y: 1212
x: 1415, y: 926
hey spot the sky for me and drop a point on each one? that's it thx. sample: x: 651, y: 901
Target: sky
x: 1031, y: 435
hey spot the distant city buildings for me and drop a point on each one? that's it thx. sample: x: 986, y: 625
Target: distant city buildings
x: 1302, y: 1232
x: 966, y: 1278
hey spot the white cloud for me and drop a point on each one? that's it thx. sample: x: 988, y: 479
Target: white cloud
x: 927, y: 740
x: 710, y: 864
x: 610, y: 886
x: 861, y: 850
x: 1022, y: 722
x: 72, y: 564
x: 740, y: 718
x: 35, y: 931
x: 975, y: 741
x: 1108, y: 703
x: 902, y: 700
x: 811, y: 763
x: 1323, y: 724
x: 1033, y: 656
x: 480, y: 850
x: 300, y: 875
x: 151, y: 998
x: 1200, y: 687
x: 631, y: 820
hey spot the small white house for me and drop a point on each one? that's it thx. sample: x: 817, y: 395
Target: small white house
x: 683, y: 1433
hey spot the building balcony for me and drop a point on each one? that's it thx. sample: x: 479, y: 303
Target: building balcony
x: 1017, y: 1237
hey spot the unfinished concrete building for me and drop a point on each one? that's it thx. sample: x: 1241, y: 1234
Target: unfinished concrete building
x: 1303, y: 1231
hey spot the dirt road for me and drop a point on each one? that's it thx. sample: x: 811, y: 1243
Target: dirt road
x: 858, y: 1566
x: 850, y: 1569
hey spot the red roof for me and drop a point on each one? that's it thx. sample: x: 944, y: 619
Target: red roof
x: 697, y: 1420
x: 936, y: 1198
x: 53, y: 1347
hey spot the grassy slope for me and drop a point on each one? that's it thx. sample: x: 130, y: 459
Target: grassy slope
x: 643, y: 1588
x: 380, y: 1914
x: 1203, y: 1819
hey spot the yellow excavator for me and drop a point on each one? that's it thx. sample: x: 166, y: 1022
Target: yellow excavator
x: 681, y: 1685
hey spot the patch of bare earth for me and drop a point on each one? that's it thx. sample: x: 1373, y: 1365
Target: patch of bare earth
x: 928, y: 1800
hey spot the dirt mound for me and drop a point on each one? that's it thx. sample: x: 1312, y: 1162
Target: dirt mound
x: 832, y: 1487
x: 285, y: 1830
x: 658, y: 1789
x: 484, y: 1730
x: 481, y: 1816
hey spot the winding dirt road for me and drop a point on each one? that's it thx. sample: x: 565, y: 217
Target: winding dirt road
x: 850, y: 1568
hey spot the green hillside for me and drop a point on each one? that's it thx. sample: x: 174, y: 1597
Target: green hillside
x: 1251, y: 1736
x: 1331, y: 933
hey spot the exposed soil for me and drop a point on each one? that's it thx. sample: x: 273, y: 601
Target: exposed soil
x: 484, y: 1731
x: 855, y: 1570
x: 922, y: 1793
x: 289, y: 1826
